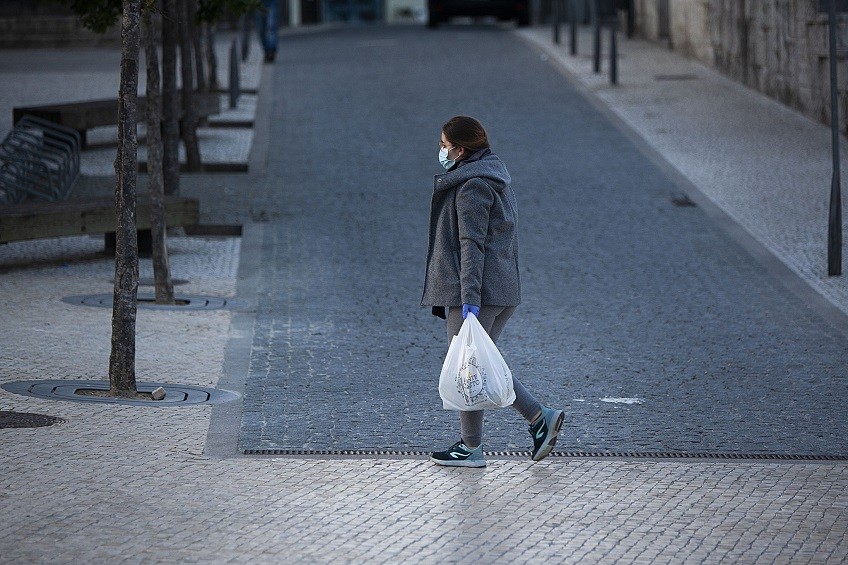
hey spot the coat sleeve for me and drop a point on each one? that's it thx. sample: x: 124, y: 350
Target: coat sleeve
x: 474, y: 201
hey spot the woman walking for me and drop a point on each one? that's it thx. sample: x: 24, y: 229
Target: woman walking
x: 472, y: 267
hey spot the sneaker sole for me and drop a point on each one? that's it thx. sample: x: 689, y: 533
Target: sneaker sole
x: 475, y: 464
x: 552, y: 437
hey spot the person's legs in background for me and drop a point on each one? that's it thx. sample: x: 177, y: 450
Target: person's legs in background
x: 266, y: 25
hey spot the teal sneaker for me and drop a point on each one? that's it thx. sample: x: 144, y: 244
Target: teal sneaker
x: 459, y: 455
x: 544, y: 431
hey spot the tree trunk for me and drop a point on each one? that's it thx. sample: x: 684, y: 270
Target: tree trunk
x: 122, y: 358
x: 189, y: 116
x: 170, y: 100
x: 211, y: 59
x: 197, y: 43
x: 155, y: 181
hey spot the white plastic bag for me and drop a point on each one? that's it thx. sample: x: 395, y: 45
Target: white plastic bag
x: 474, y: 375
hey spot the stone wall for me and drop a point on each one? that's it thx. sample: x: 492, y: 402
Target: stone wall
x: 779, y: 47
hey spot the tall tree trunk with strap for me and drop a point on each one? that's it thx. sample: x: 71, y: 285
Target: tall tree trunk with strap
x: 189, y: 115
x: 122, y: 358
x: 155, y: 180
x: 211, y: 59
x: 195, y: 28
x: 170, y: 98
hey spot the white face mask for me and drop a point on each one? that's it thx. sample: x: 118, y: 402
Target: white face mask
x: 443, y: 158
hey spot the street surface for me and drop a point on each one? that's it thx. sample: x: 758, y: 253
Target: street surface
x: 641, y: 317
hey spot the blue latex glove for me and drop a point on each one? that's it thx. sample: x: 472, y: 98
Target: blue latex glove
x: 466, y: 308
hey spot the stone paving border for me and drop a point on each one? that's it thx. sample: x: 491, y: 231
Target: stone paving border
x: 567, y: 455
x: 392, y: 511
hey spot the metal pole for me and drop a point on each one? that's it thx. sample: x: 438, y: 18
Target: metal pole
x: 596, y: 37
x: 834, y: 228
x: 235, y: 89
x: 573, y: 21
x: 613, y: 53
x: 556, y: 10
x: 245, y: 35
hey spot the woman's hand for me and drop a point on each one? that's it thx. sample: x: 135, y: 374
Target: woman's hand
x: 466, y: 308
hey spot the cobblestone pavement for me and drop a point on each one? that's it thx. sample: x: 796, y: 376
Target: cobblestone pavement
x: 137, y: 484
x: 643, y: 318
x: 139, y: 497
x: 763, y: 164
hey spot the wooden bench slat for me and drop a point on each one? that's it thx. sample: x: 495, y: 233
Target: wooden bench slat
x: 35, y: 220
x: 87, y: 114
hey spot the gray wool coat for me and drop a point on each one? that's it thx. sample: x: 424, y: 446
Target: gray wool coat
x: 473, y: 246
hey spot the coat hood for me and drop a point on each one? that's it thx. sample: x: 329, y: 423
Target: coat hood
x: 483, y: 164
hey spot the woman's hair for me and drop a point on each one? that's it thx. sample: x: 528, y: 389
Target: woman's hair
x: 466, y: 132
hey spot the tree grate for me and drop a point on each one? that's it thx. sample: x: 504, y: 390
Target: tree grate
x: 150, y: 281
x: 26, y: 420
x: 147, y: 301
x: 341, y: 453
x: 175, y: 395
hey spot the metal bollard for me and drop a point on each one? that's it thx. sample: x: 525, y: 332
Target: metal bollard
x: 245, y: 36
x: 596, y: 40
x: 573, y: 20
x: 834, y: 224
x: 556, y: 12
x: 613, y: 55
x: 602, y: 18
x: 235, y: 89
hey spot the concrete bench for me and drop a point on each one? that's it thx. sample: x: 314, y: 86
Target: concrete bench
x: 88, y: 114
x: 40, y: 219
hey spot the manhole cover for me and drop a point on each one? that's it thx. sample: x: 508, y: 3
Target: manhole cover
x: 147, y: 301
x: 26, y: 420
x: 175, y: 395
x: 147, y: 281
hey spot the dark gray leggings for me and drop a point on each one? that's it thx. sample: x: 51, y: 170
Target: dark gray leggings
x: 493, y: 319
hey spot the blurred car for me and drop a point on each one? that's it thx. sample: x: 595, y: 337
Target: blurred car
x: 440, y: 11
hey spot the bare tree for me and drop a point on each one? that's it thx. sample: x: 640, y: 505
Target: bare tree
x: 170, y: 98
x: 122, y: 358
x: 100, y: 15
x: 211, y: 59
x: 197, y: 46
x: 189, y: 115
x: 155, y: 178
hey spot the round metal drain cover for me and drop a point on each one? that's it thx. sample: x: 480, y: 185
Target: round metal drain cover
x: 26, y: 420
x: 175, y: 395
x: 147, y: 301
x: 147, y: 281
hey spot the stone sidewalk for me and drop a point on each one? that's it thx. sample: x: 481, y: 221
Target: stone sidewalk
x: 127, y: 484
